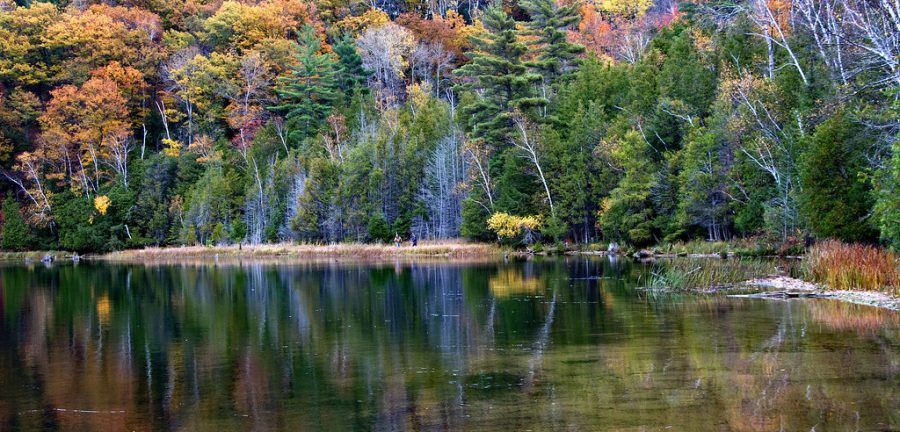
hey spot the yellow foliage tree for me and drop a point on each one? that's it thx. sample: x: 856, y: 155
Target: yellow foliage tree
x: 357, y: 25
x: 631, y: 9
x: 508, y: 226
x: 101, y: 203
x: 173, y: 148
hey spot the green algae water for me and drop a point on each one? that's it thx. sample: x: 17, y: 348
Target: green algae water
x: 555, y: 344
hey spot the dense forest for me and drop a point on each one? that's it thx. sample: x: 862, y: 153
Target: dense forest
x: 126, y: 123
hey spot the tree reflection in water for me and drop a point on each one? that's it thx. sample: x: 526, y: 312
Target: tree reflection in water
x: 543, y: 344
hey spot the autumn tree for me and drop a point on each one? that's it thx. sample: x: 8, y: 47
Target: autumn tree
x: 386, y: 51
x: 85, y: 129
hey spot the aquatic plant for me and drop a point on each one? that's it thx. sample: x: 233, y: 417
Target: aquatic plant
x: 702, y: 274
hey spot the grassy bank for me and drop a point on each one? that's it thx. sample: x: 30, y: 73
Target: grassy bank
x: 746, y: 247
x: 704, y: 274
x: 852, y: 273
x: 451, y: 249
x: 34, y: 255
x: 749, y: 247
x: 857, y: 267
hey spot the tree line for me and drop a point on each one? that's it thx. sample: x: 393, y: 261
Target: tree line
x: 133, y: 123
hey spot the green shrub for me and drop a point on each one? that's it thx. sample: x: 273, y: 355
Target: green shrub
x: 378, y: 228
x: 16, y: 234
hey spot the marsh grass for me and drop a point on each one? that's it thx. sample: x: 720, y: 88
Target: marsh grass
x: 747, y: 247
x: 349, y: 250
x: 844, y: 266
x: 683, y: 274
x: 34, y: 255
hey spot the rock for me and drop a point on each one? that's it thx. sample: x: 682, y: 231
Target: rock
x: 642, y: 254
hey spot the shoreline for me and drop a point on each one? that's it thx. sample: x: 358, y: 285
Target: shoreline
x: 784, y: 287
x: 356, y: 251
x: 769, y: 287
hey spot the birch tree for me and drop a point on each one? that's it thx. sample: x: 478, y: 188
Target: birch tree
x: 526, y: 140
x: 386, y: 51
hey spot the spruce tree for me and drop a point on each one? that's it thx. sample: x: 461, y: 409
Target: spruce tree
x: 16, y: 235
x: 549, y: 24
x: 498, y: 72
x: 308, y: 93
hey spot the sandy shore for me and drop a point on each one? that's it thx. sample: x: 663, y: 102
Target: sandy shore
x: 782, y: 286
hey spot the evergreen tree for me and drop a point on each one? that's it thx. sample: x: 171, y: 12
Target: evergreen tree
x: 16, y: 235
x: 498, y: 72
x: 352, y: 76
x: 836, y: 202
x: 703, y: 192
x: 550, y: 23
x: 308, y: 94
x: 515, y: 187
x: 887, y: 207
x: 628, y: 214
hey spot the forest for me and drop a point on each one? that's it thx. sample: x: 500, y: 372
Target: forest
x: 130, y: 123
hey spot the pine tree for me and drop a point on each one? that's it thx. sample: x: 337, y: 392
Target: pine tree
x: 352, y: 76
x: 16, y: 235
x: 498, y: 72
x: 308, y: 94
x: 550, y: 23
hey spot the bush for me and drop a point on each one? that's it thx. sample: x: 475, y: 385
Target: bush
x: 560, y: 248
x: 238, y: 231
x: 554, y: 228
x: 379, y: 229
x: 16, y: 235
x: 81, y: 227
x: 512, y: 227
x: 218, y: 234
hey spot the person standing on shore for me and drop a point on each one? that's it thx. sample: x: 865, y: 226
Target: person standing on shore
x: 414, y: 240
x: 397, y: 239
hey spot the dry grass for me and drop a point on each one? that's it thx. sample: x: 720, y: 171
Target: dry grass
x: 34, y: 255
x: 456, y: 249
x: 844, y: 266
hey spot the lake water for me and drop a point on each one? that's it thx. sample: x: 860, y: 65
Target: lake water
x: 555, y: 344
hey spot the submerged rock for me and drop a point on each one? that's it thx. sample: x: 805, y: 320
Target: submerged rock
x: 642, y: 254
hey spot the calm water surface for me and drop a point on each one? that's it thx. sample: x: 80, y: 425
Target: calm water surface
x: 564, y: 344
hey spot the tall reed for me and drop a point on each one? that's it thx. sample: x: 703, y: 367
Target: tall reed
x: 853, y: 267
x: 704, y: 273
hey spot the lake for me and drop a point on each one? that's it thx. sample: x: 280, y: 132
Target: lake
x: 547, y: 344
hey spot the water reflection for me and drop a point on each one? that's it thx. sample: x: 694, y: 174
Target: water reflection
x: 542, y: 344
